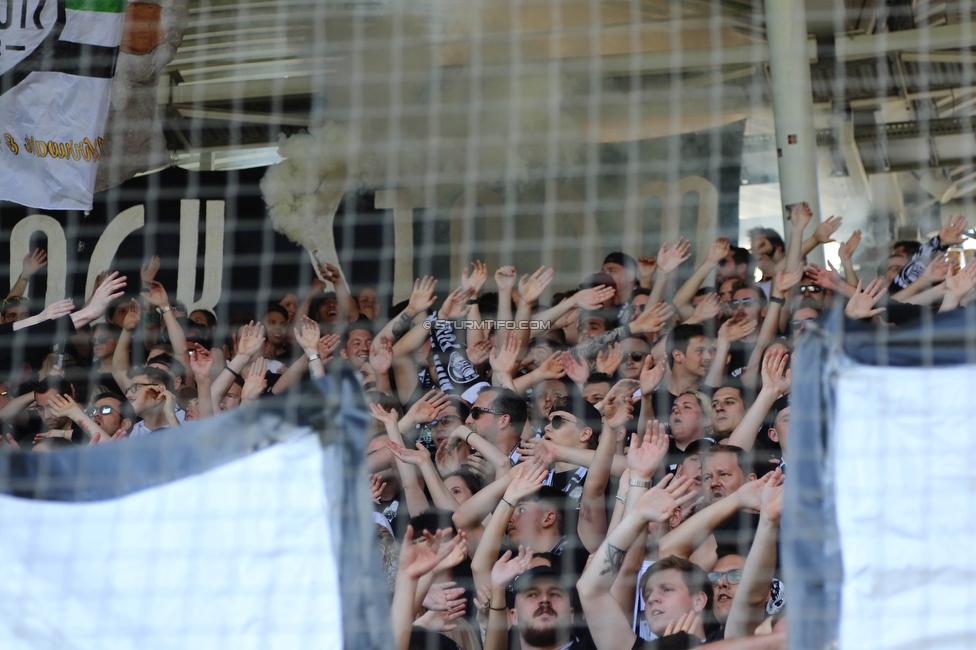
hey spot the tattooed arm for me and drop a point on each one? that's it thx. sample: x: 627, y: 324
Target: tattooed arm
x: 588, y: 348
x: 609, y: 625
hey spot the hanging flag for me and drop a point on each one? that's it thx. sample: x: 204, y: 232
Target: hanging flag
x: 57, y: 60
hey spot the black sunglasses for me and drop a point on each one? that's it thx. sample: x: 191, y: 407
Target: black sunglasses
x: 444, y: 420
x: 810, y: 288
x: 557, y: 421
x: 800, y: 322
x: 478, y: 411
x: 637, y: 356
x: 99, y: 410
x: 733, y: 576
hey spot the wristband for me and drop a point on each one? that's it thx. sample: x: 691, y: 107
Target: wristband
x: 509, y: 503
x: 473, y: 301
x: 231, y: 370
x: 163, y: 310
x: 466, y: 438
x: 25, y: 278
x: 620, y: 499
x: 313, y: 357
x: 496, y: 609
x: 634, y: 482
x: 781, y: 301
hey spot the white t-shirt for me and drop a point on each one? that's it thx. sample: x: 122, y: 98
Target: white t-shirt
x: 140, y: 428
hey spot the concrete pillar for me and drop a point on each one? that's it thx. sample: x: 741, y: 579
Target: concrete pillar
x: 796, y: 138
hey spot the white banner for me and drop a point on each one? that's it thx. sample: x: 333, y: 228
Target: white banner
x: 905, y: 471
x: 240, y: 556
x: 56, y: 65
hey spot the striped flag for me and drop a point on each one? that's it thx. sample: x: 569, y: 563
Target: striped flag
x: 57, y: 60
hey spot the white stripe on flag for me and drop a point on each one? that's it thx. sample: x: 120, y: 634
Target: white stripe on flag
x: 237, y: 557
x: 93, y: 27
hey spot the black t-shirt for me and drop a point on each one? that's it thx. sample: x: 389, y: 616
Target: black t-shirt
x: 734, y: 535
x: 24, y: 435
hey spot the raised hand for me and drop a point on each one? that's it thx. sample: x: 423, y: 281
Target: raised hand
x: 776, y: 374
x: 664, y: 499
x: 785, y: 280
x: 256, y: 381
x: 652, y: 374
x: 646, y: 267
x: 415, y: 457
x: 454, y: 307
x: 962, y: 282
x: 578, y: 371
x: 652, y: 319
x: 443, y: 596
x: 861, y: 305
x: 63, y: 406
x: 540, y: 449
x: 505, y: 360
x: 800, y: 215
x: 951, y: 232
x: 250, y: 339
x: 617, y: 410
x: 479, y: 352
x: 107, y: 291
x: 531, y: 286
x: 416, y: 558
x: 307, y: 336
x: 457, y: 554
x: 669, y: 259
x: 736, y: 329
x: 828, y: 279
x: 9, y: 441
x: 384, y: 416
x: 57, y: 309
x: 33, y: 262
x: 643, y: 459
x: 381, y: 355
x: 507, y: 568
x: 552, y: 368
x: 422, y: 297
x: 708, y: 308
x: 201, y: 360
x: 526, y: 482
x: 609, y: 359
x: 593, y: 298
x: 132, y: 317
x: 429, y: 407
x: 330, y: 273
x: 155, y: 294
x: 376, y: 487
x: 327, y: 345
x: 771, y: 497
x: 149, y: 270
x: 477, y: 278
x: 481, y: 467
x: 827, y: 228
x: 846, y: 250
x: 749, y: 494
x: 505, y: 278
x: 719, y: 250
x: 437, y: 621
x: 936, y: 271
x: 689, y: 623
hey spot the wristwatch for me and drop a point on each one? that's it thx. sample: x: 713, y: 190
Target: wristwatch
x: 163, y: 310
x: 636, y: 482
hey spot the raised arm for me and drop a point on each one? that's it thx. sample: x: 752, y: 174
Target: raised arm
x: 775, y: 384
x: 33, y: 262
x: 846, y: 254
x: 250, y: 343
x: 409, y: 476
x: 692, y: 533
x: 592, y: 524
x: 121, y: 357
x: 530, y: 290
x: 155, y: 294
x: 201, y: 365
x: 800, y: 217
x: 64, y: 406
x: 106, y: 292
x: 505, y: 279
x: 668, y: 261
x: 822, y: 235
x: 718, y: 251
x: 416, y: 560
x: 749, y: 604
x: 526, y: 480
x: 957, y: 286
x: 609, y: 626
x: 348, y: 307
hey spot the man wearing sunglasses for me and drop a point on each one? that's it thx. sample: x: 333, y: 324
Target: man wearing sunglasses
x: 111, y: 412
x: 725, y: 577
x: 498, y: 415
x: 634, y: 349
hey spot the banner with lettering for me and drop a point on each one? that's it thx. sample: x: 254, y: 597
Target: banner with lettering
x: 57, y: 60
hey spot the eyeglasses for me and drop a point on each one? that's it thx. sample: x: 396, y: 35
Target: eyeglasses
x: 557, y: 421
x: 102, y: 338
x: 13, y: 300
x: 444, y: 421
x: 478, y: 411
x: 800, y: 322
x: 134, y: 388
x: 732, y: 576
x: 894, y: 267
x: 810, y: 288
x: 743, y: 302
x: 99, y: 410
x: 637, y: 356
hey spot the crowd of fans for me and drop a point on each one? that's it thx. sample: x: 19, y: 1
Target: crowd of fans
x: 609, y: 475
